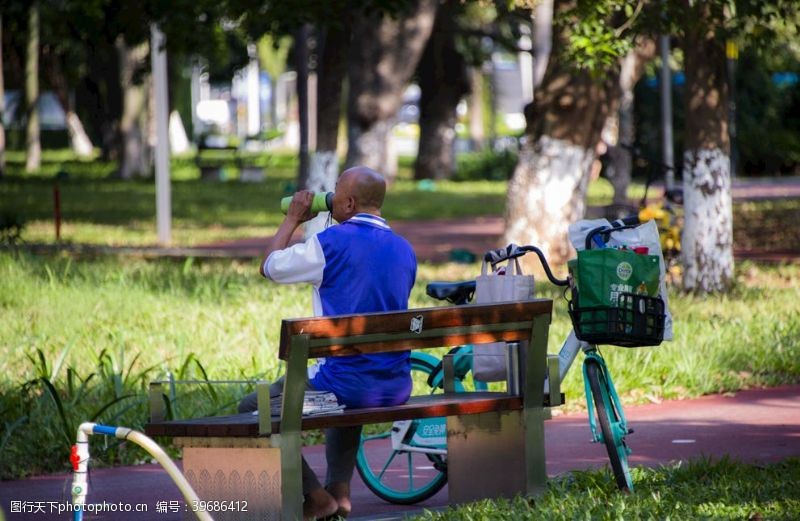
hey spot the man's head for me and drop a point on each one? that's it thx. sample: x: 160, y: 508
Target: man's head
x: 358, y: 190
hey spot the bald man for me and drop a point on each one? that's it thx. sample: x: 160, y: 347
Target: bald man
x: 357, y: 266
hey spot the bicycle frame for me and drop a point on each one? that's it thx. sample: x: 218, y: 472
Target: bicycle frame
x: 566, y: 357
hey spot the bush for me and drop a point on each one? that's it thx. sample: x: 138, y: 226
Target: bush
x: 487, y: 165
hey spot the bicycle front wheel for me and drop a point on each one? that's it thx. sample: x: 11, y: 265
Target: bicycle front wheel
x: 610, y: 425
x: 402, y: 477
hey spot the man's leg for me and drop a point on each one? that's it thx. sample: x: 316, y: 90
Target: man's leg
x: 250, y: 402
x: 318, y: 502
x: 341, y: 449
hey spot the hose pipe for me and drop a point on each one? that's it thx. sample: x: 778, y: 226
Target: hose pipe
x: 80, y: 463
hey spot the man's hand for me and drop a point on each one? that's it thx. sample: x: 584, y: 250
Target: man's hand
x: 299, y: 211
x: 300, y: 208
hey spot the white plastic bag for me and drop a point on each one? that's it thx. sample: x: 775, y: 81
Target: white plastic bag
x: 505, y: 284
x: 645, y: 234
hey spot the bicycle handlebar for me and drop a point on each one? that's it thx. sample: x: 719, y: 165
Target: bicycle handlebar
x: 512, y: 251
x: 620, y: 224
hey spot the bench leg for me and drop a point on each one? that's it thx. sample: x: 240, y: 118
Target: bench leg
x: 485, y: 456
x: 535, y: 462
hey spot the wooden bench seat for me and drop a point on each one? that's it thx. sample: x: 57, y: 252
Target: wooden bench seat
x: 432, y: 406
x: 495, y: 440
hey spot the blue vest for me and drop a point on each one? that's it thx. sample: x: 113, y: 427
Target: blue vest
x: 368, y: 268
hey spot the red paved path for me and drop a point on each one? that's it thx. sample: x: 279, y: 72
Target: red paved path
x: 752, y: 426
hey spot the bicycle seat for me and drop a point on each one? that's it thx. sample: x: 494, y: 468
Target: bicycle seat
x: 455, y: 292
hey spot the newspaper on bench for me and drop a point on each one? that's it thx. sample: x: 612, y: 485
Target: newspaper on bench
x: 314, y: 403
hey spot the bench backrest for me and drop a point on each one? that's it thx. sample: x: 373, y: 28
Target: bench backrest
x: 414, y: 328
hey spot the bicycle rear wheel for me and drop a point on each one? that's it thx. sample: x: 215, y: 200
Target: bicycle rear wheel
x: 611, y: 427
x: 396, y: 476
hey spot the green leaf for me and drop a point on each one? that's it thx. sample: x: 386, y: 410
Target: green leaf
x: 68, y: 430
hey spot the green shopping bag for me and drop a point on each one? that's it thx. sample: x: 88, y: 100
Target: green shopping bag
x: 611, y: 299
x: 602, y: 274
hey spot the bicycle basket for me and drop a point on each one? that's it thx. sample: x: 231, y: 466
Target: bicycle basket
x: 635, y: 321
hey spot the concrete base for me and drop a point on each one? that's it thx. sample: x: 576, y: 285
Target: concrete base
x: 235, y: 483
x: 485, y: 456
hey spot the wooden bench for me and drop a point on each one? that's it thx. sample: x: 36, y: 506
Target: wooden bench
x: 214, y: 163
x: 495, y: 440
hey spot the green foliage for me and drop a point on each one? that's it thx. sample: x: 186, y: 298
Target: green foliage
x: 272, y: 54
x: 487, y: 165
x: 702, y: 489
x: 767, y: 140
x: 768, y: 124
x: 598, y: 33
x: 11, y: 226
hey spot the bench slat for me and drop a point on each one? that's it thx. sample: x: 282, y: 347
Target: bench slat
x: 246, y: 425
x: 415, y: 328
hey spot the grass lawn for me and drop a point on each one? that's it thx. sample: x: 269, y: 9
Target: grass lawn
x: 96, y: 209
x: 696, y: 490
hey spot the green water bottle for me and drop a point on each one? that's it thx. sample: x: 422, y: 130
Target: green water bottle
x: 322, y: 202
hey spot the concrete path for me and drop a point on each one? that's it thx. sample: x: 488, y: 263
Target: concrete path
x: 757, y: 426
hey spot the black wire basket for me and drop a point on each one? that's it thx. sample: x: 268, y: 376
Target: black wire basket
x: 636, y: 321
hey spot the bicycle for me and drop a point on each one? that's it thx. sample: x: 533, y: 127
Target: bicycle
x: 425, y: 440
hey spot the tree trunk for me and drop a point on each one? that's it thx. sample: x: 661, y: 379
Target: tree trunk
x: 133, y: 153
x: 547, y: 191
x: 443, y: 80
x: 79, y: 140
x: 618, y: 169
x: 33, y: 145
x: 80, y: 143
x: 2, y: 106
x: 324, y: 168
x: 477, y: 135
x: 542, y: 39
x: 379, y: 68
x: 99, y: 95
x: 302, y: 36
x: 707, y: 242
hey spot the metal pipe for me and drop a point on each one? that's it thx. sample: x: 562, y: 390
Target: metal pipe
x: 666, y: 114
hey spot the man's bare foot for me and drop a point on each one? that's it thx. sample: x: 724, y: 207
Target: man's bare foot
x: 341, y: 493
x: 319, y: 504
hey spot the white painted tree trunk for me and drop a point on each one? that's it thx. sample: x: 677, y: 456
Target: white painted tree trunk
x: 707, y: 241
x: 549, y: 192
x: 322, y: 176
x: 381, y: 62
x: 79, y: 140
x: 178, y: 140
x: 373, y: 147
